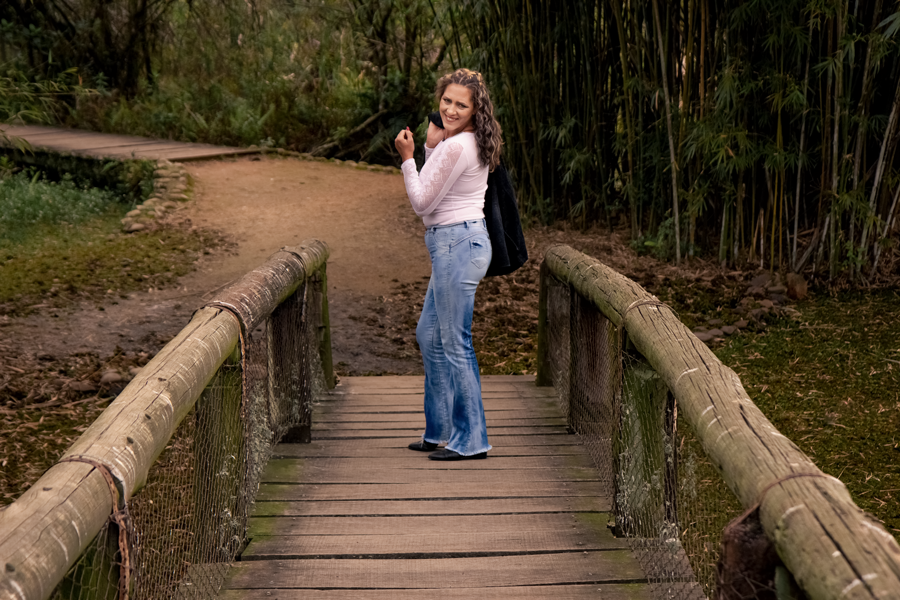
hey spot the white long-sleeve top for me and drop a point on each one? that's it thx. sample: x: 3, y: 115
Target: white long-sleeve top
x: 451, y: 187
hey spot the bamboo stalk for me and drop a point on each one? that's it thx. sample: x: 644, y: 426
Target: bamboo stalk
x: 762, y: 237
x: 800, y: 157
x: 673, y: 160
x: 773, y: 205
x: 879, y: 169
x: 813, y: 244
x: 723, y: 244
x: 835, y: 147
x: 629, y: 125
x: 888, y: 224
x: 864, y: 101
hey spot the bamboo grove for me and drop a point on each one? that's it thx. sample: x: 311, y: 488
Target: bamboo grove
x: 763, y: 131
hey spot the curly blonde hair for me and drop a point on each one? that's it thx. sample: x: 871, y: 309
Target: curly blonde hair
x: 488, y: 134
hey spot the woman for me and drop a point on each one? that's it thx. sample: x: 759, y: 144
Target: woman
x: 449, y: 196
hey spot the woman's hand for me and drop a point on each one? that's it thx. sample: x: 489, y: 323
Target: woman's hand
x: 435, y: 135
x: 405, y: 144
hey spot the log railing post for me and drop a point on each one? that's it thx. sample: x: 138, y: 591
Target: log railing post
x: 218, y: 437
x: 288, y: 368
x: 544, y: 375
x: 325, y: 329
x: 575, y: 411
x: 45, y: 531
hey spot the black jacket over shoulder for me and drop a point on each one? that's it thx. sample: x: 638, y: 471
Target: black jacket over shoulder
x: 501, y: 215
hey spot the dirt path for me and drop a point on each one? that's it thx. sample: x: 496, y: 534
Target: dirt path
x: 262, y: 204
x: 271, y: 202
x: 364, y: 217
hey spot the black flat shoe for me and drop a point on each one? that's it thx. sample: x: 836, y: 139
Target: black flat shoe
x: 444, y: 454
x: 423, y: 446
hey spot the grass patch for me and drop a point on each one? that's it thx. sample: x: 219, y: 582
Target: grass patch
x: 831, y: 383
x: 60, y: 243
x: 30, y: 204
x: 62, y: 264
x: 129, y: 181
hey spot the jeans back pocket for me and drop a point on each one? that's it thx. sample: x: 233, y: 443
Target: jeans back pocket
x: 480, y: 251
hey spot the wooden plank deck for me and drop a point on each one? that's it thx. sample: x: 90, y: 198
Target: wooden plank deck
x: 355, y: 514
x: 106, y: 145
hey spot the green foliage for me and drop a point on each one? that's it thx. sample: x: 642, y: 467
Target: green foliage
x: 25, y: 97
x: 60, y: 263
x: 21, y: 98
x: 29, y: 203
x: 111, y: 40
x: 303, y: 76
x: 662, y: 244
x: 268, y: 72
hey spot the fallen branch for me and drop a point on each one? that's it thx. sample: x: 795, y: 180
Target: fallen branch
x: 334, y: 141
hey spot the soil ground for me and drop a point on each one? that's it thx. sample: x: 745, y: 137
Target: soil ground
x: 262, y: 204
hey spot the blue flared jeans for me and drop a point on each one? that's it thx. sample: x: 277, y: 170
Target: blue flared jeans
x: 460, y: 255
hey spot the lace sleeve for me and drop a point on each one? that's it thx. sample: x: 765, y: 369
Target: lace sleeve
x: 427, y: 189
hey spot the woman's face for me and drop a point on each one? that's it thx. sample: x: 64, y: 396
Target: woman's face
x: 457, y: 109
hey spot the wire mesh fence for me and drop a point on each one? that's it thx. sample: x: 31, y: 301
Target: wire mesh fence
x: 177, y: 536
x: 669, y: 502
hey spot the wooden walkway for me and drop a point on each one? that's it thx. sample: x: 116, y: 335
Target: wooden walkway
x: 355, y: 514
x: 122, y: 147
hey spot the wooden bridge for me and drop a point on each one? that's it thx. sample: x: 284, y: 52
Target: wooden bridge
x: 119, y: 147
x: 355, y: 514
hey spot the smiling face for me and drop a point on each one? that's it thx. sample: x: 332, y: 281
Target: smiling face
x: 457, y: 109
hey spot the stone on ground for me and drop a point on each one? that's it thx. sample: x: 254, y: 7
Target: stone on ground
x: 796, y: 286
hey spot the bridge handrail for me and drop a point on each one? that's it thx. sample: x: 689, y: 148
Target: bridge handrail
x: 46, y: 530
x: 832, y: 548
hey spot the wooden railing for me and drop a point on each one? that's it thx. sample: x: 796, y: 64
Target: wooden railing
x: 830, y: 546
x: 52, y: 524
